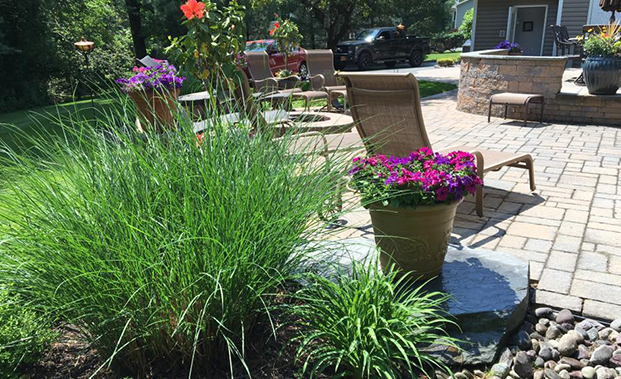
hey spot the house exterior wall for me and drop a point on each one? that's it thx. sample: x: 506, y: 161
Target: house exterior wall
x: 574, y: 15
x: 492, y: 17
x: 460, y: 11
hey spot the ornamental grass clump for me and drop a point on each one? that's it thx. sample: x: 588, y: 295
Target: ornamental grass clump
x: 165, y: 252
x: 421, y: 178
x: 367, y: 324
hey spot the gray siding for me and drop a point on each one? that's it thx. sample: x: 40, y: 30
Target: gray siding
x: 492, y: 17
x: 461, y: 10
x: 575, y: 13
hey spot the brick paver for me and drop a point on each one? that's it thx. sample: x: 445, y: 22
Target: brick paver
x: 569, y: 229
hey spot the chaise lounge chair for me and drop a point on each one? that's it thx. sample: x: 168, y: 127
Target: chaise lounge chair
x: 322, y: 80
x: 261, y: 74
x: 387, y: 112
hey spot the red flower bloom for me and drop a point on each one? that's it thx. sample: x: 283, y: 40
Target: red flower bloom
x: 193, y: 9
x: 276, y: 26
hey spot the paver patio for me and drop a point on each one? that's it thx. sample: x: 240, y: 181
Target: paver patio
x: 569, y: 229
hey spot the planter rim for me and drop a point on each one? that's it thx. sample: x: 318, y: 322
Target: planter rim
x: 421, y: 208
x: 596, y: 57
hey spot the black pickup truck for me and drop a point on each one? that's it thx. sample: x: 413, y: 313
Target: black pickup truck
x: 389, y: 45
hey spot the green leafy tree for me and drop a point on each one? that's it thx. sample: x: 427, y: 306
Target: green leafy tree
x: 466, y: 26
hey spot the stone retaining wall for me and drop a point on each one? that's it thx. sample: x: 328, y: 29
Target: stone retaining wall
x: 488, y: 72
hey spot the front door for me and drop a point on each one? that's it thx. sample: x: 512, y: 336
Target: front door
x: 528, y: 28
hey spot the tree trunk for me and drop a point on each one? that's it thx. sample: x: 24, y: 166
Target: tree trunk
x: 135, y: 25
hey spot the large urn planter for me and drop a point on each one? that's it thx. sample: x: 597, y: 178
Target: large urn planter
x: 414, y: 240
x: 602, y: 75
x: 156, y: 108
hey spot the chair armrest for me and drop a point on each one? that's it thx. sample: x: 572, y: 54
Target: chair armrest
x: 317, y: 82
x: 295, y: 79
x: 269, y: 83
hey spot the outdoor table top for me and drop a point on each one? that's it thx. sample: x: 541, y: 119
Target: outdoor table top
x: 194, y: 97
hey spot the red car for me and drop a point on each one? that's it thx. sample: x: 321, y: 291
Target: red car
x: 296, y: 61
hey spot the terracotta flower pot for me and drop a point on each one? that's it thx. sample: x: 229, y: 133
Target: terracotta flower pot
x: 156, y: 108
x: 415, y: 240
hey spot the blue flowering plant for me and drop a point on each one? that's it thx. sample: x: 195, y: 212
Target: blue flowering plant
x: 162, y: 76
x: 421, y: 178
x: 512, y: 48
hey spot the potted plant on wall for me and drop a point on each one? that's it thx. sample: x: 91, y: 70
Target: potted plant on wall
x: 511, y: 47
x: 412, y: 202
x: 154, y: 91
x: 602, y: 67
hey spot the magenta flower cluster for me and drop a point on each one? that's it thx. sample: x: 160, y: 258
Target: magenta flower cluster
x: 421, y: 178
x: 164, y: 75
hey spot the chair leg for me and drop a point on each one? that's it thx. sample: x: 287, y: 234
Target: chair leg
x: 479, y: 201
x: 489, y: 112
x: 329, y: 102
x: 541, y: 114
x: 526, y: 114
x: 506, y: 106
x: 531, y: 172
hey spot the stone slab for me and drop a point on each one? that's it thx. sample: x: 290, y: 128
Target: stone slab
x: 488, y: 289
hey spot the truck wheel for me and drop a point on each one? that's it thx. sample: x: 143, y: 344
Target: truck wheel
x: 416, y: 59
x: 390, y: 64
x: 303, y: 70
x: 364, y: 61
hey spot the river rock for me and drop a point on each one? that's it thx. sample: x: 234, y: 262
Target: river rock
x: 582, y: 332
x: 565, y: 316
x: 605, y: 373
x: 506, y: 357
x: 613, y: 337
x: 537, y: 336
x: 601, y: 356
x: 540, y: 328
x: 583, y: 352
x: 551, y: 374
x: 536, y: 345
x: 617, y: 352
x: 616, y: 325
x: 575, y: 375
x: 522, y: 339
x: 546, y: 353
x: 538, y: 374
x: 588, y: 372
x: 553, y: 332
x: 467, y: 374
x: 553, y: 344
x: 593, y: 334
x: 604, y: 333
x: 615, y: 361
x: 479, y: 373
x: 523, y: 366
x: 550, y: 365
x: 539, y: 362
x: 568, y: 344
x: 459, y: 375
x: 577, y: 335
x: 564, y: 374
x: 500, y: 370
x: 544, y: 312
x: 572, y: 362
x: 560, y: 367
x: 556, y: 355
x: 544, y: 321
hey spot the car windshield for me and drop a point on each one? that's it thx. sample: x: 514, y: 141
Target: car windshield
x: 366, y: 35
x: 257, y: 46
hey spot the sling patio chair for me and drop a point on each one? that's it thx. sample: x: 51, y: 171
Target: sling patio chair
x: 387, y: 113
x: 321, y: 69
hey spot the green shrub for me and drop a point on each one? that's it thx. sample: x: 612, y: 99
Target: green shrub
x: 368, y: 325
x: 164, y: 251
x: 23, y: 336
x: 446, y: 62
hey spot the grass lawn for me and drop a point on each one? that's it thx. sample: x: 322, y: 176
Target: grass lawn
x: 436, y: 56
x: 426, y: 89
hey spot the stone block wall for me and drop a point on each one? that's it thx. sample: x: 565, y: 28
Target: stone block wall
x: 493, y: 71
x: 488, y: 72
